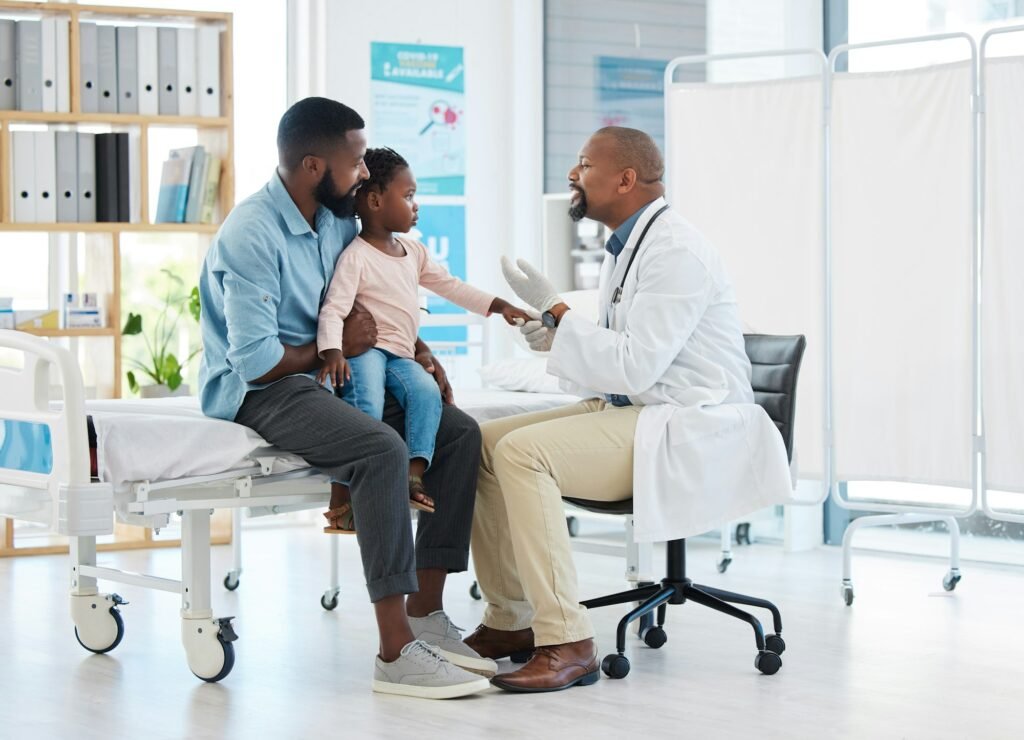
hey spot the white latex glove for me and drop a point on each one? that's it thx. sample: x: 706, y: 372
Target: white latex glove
x: 530, y: 285
x: 539, y: 337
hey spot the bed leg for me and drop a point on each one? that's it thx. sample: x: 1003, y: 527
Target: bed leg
x: 97, y: 619
x: 234, y: 576
x: 83, y: 552
x: 208, y: 648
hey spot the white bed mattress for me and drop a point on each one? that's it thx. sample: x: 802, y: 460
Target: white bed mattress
x: 170, y: 438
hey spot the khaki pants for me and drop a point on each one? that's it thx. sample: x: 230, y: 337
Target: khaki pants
x: 521, y: 550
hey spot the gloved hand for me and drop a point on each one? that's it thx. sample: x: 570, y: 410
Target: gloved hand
x: 530, y: 285
x: 539, y: 337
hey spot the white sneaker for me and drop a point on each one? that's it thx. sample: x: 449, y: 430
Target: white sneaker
x: 437, y: 629
x: 421, y: 671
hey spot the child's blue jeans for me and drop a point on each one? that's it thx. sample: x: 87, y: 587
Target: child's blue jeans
x: 413, y: 387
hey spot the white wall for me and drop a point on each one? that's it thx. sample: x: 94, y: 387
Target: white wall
x: 503, y: 43
x: 763, y: 25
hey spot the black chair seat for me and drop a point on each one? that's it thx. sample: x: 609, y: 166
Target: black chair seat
x: 603, y: 507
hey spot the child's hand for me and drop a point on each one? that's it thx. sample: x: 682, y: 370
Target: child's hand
x: 509, y: 312
x: 335, y: 367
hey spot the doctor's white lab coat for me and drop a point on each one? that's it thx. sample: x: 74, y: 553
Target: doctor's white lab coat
x: 705, y: 453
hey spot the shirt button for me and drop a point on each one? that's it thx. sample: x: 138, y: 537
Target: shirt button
x: 266, y: 299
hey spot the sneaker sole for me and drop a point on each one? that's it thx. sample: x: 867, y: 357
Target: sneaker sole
x: 585, y: 680
x: 481, y: 666
x: 432, y: 692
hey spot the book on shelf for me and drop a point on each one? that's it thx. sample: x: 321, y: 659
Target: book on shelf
x: 189, y: 183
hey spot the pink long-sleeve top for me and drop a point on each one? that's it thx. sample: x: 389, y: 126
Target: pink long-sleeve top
x: 387, y: 287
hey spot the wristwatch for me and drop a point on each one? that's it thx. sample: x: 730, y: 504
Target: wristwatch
x: 548, y: 319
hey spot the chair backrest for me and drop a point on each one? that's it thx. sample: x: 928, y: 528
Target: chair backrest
x: 775, y: 364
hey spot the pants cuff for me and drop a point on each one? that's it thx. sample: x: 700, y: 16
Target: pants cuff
x: 560, y: 638
x: 449, y: 559
x: 400, y: 583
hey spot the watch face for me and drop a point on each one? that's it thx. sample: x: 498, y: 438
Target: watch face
x: 548, y: 319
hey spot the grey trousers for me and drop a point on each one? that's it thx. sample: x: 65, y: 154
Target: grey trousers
x: 299, y: 416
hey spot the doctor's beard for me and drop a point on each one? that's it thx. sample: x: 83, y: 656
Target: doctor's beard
x: 578, y: 210
x: 327, y: 195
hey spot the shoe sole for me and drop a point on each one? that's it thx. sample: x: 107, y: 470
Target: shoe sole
x: 481, y: 666
x: 432, y: 692
x: 585, y: 680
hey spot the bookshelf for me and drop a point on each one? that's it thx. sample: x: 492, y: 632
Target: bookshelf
x: 215, y: 133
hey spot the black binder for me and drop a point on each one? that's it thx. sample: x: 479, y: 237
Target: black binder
x: 106, y: 178
x: 123, y: 180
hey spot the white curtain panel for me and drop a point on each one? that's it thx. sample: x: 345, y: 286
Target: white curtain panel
x: 1003, y: 274
x: 746, y: 169
x: 902, y: 224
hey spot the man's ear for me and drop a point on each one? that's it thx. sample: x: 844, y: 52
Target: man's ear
x: 627, y: 180
x: 313, y: 165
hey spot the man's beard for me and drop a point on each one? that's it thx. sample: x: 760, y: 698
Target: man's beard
x: 578, y: 210
x: 327, y: 195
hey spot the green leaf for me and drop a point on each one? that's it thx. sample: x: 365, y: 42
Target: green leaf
x: 133, y: 325
x: 133, y: 384
x: 174, y: 380
x: 171, y: 366
x: 193, y: 303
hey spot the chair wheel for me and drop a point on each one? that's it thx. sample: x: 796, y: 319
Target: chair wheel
x: 951, y: 579
x: 330, y: 604
x: 615, y: 665
x: 775, y: 643
x: 474, y: 591
x: 654, y: 637
x: 847, y: 594
x: 231, y: 582
x: 723, y: 564
x: 573, y: 524
x: 767, y: 662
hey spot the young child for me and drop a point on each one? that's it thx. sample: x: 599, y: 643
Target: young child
x: 383, y: 272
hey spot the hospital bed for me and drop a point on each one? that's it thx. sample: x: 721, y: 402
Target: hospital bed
x: 152, y: 460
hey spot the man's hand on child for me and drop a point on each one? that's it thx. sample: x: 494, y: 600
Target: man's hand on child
x: 509, y: 312
x: 335, y: 367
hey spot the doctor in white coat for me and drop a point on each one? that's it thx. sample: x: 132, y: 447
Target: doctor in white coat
x: 669, y: 420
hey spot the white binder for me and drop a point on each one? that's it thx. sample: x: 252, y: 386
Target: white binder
x: 67, y: 176
x: 106, y: 45
x: 88, y: 55
x: 167, y: 70
x: 49, y: 63
x: 46, y: 177
x: 208, y: 70
x: 127, y: 71
x: 29, y: 65
x: 23, y: 177
x: 63, y: 59
x: 87, y: 178
x: 148, y: 84
x: 187, y: 105
x: 8, y: 95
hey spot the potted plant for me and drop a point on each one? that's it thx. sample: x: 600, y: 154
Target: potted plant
x: 161, y: 365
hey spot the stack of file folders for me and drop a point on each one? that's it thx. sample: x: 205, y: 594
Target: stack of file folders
x: 70, y: 177
x: 147, y: 70
x: 189, y: 183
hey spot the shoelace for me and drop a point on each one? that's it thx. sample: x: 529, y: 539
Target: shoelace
x: 421, y: 646
x: 451, y: 629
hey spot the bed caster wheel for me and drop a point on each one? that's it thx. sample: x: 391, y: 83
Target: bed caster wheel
x: 99, y: 627
x: 329, y: 602
x: 768, y: 662
x: 847, y: 593
x: 208, y: 648
x: 775, y: 643
x: 232, y: 581
x: 573, y: 524
x: 951, y: 579
x: 474, y: 592
x: 615, y: 666
x: 654, y: 637
x: 743, y: 533
x: 723, y: 564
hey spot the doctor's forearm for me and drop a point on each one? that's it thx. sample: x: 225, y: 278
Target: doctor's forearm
x: 296, y: 360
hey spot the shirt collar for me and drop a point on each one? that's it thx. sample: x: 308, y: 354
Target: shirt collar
x: 617, y: 242
x: 293, y: 217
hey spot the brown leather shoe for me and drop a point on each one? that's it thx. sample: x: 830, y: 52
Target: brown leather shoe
x: 498, y: 644
x: 553, y: 668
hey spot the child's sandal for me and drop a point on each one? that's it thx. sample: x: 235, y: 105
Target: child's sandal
x: 416, y: 486
x: 341, y: 520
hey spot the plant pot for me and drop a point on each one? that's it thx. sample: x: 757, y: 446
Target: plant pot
x: 162, y: 391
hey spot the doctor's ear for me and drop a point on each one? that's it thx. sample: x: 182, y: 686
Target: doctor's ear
x: 627, y: 180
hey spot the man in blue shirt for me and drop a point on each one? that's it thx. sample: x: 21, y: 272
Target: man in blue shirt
x: 261, y: 287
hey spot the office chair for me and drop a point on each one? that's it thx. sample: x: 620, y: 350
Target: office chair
x: 775, y: 361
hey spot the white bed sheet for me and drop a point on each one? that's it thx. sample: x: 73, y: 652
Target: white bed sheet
x: 170, y: 438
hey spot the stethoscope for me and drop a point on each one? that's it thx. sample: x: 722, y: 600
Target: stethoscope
x: 617, y: 294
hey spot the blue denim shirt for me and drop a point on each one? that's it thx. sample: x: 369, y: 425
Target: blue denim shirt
x: 615, y: 244
x: 261, y: 287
